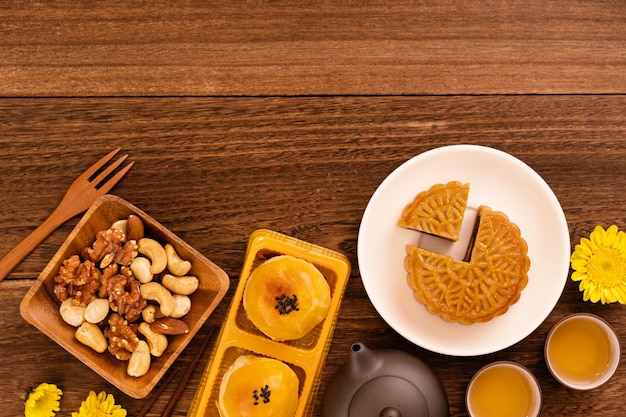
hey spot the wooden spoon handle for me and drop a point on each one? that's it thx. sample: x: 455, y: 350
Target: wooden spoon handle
x: 30, y: 242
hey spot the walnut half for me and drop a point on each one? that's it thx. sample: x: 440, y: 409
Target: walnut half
x: 122, y: 338
x: 76, y: 279
x: 111, y: 247
x: 125, y: 296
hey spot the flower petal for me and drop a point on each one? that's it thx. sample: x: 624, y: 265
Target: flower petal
x: 43, y: 401
x: 101, y: 405
x: 609, y: 295
x: 585, y: 248
x: 594, y: 294
x: 599, y: 265
x: 621, y: 294
x: 597, y: 237
x: 579, y: 265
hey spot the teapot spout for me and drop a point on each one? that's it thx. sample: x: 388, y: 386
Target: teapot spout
x: 362, y: 362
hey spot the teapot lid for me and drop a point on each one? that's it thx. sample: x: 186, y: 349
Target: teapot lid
x: 384, y: 383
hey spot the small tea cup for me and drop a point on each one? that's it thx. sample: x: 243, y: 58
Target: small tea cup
x: 503, y: 388
x: 582, y: 351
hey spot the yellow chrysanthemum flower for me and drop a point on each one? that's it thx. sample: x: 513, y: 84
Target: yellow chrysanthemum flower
x: 101, y: 405
x: 43, y: 401
x: 599, y: 263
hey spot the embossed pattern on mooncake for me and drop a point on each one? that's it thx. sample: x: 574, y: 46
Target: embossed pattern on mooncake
x: 477, y: 290
x: 437, y: 211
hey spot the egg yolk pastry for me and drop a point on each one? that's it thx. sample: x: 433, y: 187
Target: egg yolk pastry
x: 286, y: 297
x: 255, y: 386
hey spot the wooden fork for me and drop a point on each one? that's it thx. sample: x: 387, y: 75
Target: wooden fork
x: 83, y: 192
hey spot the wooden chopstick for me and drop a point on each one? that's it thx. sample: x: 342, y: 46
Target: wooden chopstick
x: 157, y: 393
x: 185, y: 379
x: 181, y: 385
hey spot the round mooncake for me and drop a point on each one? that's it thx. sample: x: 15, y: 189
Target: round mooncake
x: 481, y: 288
x: 255, y: 386
x: 286, y: 297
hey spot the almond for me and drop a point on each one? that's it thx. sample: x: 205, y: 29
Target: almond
x: 169, y: 325
x: 134, y: 228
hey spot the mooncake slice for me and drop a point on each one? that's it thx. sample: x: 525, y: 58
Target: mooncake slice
x: 438, y: 211
x: 481, y: 288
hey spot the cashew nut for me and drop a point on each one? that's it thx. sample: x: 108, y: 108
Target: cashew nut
x: 182, y: 305
x: 156, y: 292
x: 97, y: 310
x: 141, y: 269
x: 180, y: 285
x: 156, y: 341
x: 153, y: 250
x: 175, y: 264
x: 90, y: 335
x: 71, y: 313
x: 139, y: 362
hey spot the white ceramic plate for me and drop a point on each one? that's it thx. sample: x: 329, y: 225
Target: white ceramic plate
x: 497, y: 180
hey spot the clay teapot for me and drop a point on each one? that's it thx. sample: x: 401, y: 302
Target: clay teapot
x: 384, y: 383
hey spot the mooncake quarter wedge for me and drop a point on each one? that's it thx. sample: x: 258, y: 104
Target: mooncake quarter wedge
x: 481, y: 288
x: 437, y: 211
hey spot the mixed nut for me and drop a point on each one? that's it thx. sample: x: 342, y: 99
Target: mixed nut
x: 125, y: 294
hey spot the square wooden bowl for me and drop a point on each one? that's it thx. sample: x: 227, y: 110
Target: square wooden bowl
x: 40, y: 306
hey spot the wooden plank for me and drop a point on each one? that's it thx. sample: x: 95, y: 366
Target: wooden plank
x: 23, y: 346
x: 312, y: 48
x: 215, y: 169
x: 203, y: 163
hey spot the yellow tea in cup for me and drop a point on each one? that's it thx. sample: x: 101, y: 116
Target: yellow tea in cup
x: 503, y: 389
x: 582, y: 351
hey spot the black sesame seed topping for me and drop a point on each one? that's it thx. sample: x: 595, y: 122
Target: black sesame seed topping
x: 286, y: 304
x: 262, y: 394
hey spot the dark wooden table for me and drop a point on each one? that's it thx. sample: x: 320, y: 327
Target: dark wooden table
x: 288, y: 115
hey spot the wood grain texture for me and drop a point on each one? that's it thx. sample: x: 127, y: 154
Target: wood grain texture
x: 194, y: 48
x: 95, y: 182
x: 213, y: 170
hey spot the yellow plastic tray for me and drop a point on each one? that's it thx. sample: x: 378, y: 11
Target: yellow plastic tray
x: 238, y: 336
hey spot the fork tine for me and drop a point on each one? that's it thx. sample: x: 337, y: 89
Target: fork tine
x: 115, y: 178
x: 106, y: 172
x: 95, y: 167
